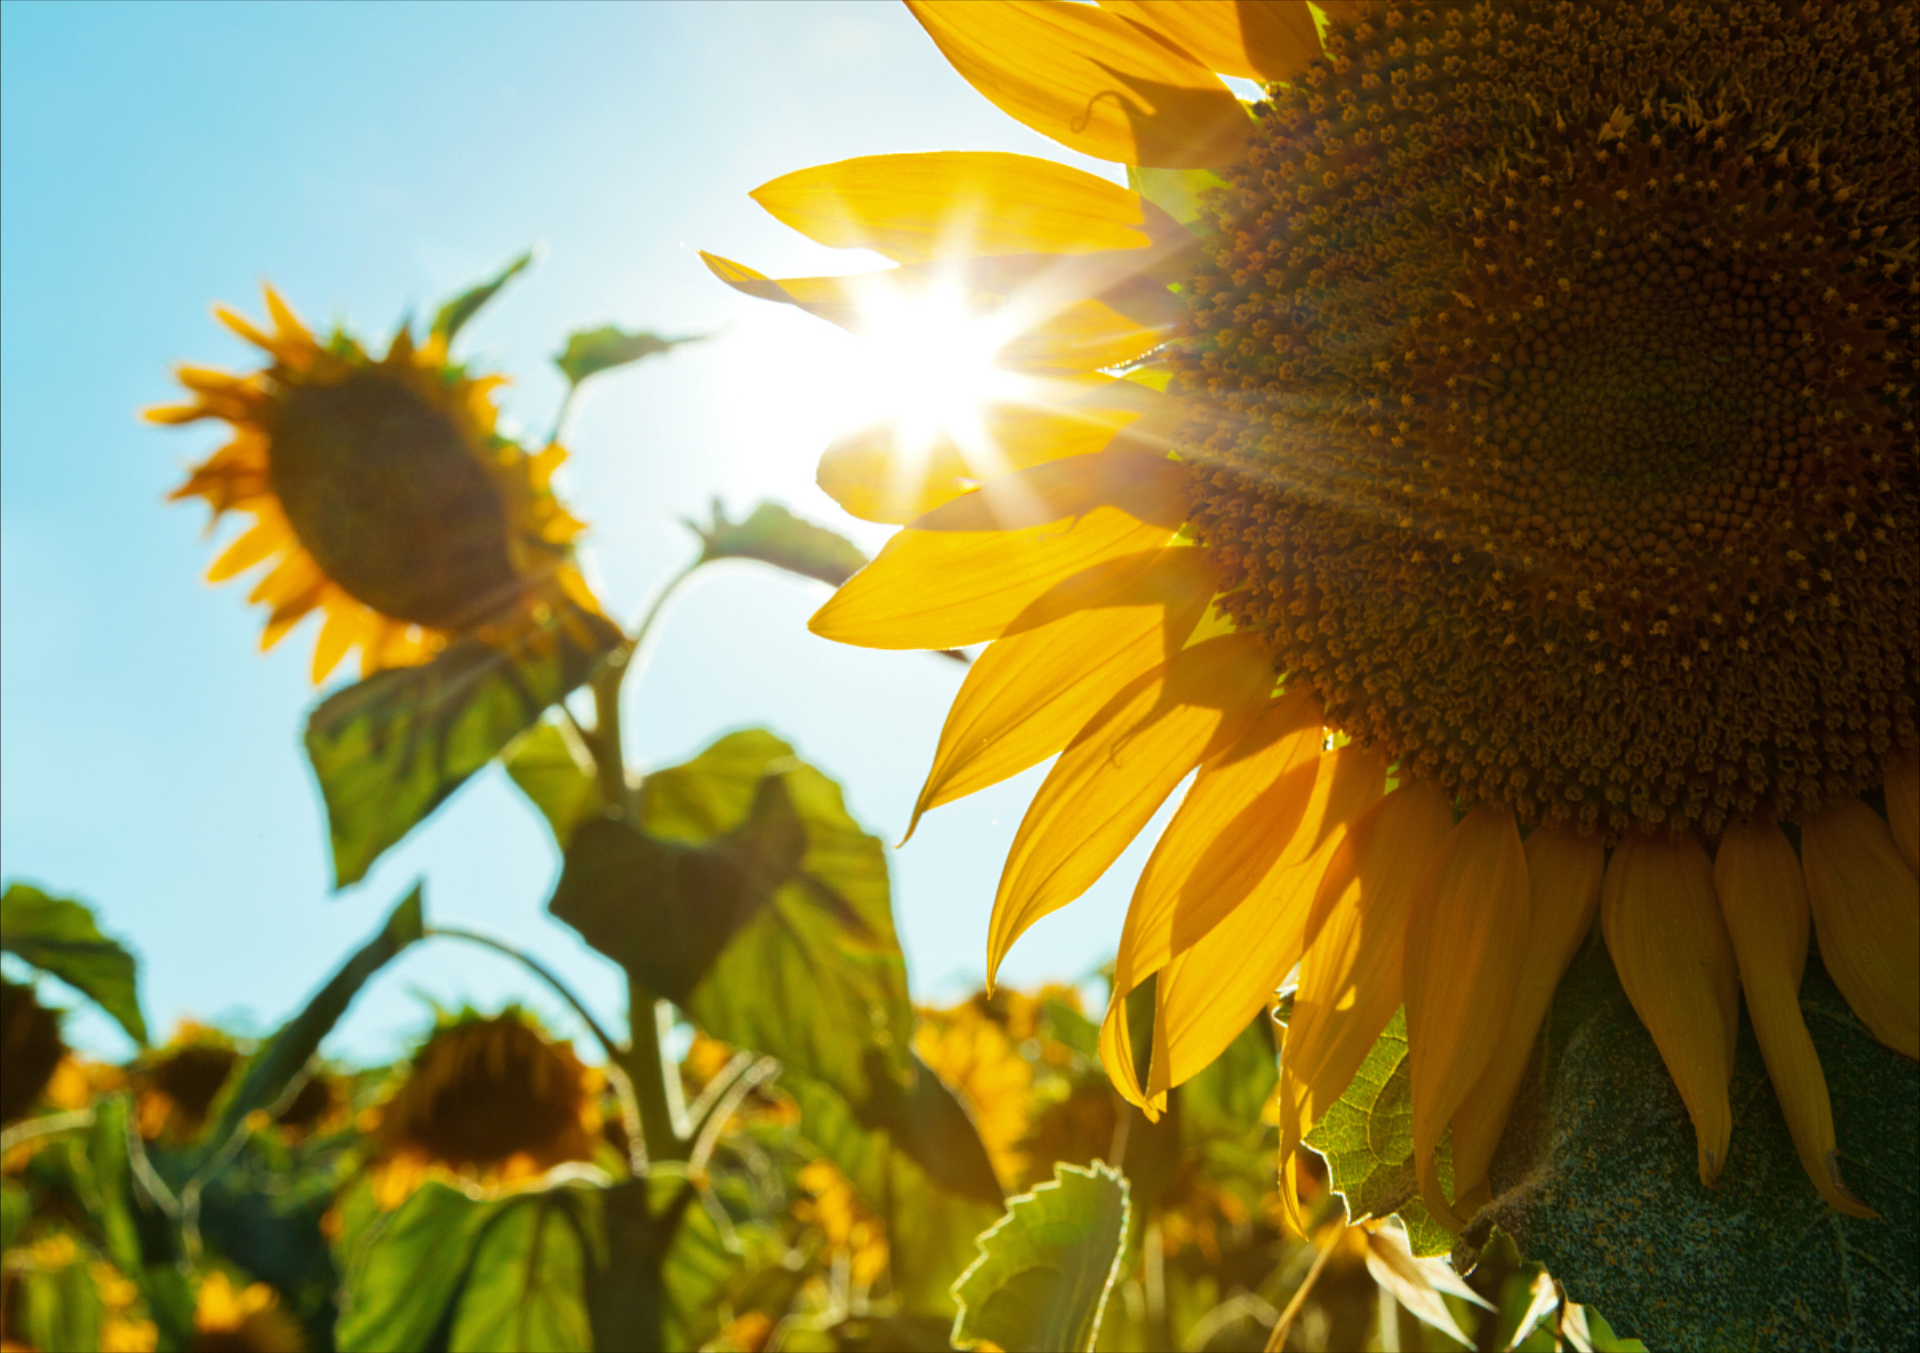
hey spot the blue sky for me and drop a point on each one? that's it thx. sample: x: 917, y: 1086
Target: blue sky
x: 370, y: 160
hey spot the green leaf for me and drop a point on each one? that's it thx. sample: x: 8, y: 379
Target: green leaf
x: 1596, y: 1178
x: 1367, y: 1138
x: 591, y: 351
x: 453, y: 316
x: 57, y: 1308
x: 404, y: 1269
x: 775, y: 536
x: 748, y: 896
x: 1045, y: 1269
x: 555, y: 772
x: 1175, y: 191
x: 58, y: 936
x: 526, y: 1288
x: 286, y: 1055
x: 390, y: 749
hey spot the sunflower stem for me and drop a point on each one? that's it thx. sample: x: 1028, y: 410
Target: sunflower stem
x: 646, y: 1066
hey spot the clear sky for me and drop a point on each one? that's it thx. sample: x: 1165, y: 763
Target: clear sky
x: 370, y: 160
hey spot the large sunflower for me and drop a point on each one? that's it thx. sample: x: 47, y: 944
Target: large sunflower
x: 1509, y: 516
x: 382, y: 493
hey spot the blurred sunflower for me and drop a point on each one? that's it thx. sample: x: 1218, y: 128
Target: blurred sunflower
x: 490, y: 1099
x: 175, y: 1085
x: 852, y: 1233
x: 30, y: 1050
x: 382, y: 493
x: 1502, y: 513
x: 249, y: 1320
x: 976, y: 1054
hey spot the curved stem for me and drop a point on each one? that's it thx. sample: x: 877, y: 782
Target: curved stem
x: 638, y: 635
x: 612, y: 1047
x: 35, y: 1128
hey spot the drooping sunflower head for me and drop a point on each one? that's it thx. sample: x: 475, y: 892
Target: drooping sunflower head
x: 176, y: 1085
x: 490, y: 1098
x: 1486, y: 465
x: 381, y: 491
x: 227, y: 1319
x: 30, y: 1049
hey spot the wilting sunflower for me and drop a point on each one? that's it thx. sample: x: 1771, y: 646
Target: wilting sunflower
x: 30, y: 1050
x: 489, y: 1099
x: 1508, y: 513
x: 382, y: 493
x: 248, y: 1320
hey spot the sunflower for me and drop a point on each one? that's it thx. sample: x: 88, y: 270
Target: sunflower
x: 382, y: 493
x: 1486, y: 464
x: 851, y: 1232
x: 489, y: 1099
x: 30, y: 1042
x: 177, y: 1085
x: 979, y: 1055
x: 249, y: 1320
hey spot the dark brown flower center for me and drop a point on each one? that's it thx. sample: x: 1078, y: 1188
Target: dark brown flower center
x: 485, y: 1091
x: 384, y: 492
x: 30, y: 1042
x: 1554, y: 368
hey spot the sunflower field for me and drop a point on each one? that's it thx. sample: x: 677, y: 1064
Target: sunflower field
x: 1446, y: 493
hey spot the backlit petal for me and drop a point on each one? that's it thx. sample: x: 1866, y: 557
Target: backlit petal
x: 1092, y: 81
x: 947, y: 204
x: 1663, y: 927
x: 267, y: 535
x: 874, y: 474
x: 1256, y: 39
x: 339, y: 632
x: 1351, y: 973
x: 1866, y: 911
x: 1764, y: 901
x: 1028, y: 695
x: 1564, y: 870
x: 1903, y: 806
x: 1116, y: 773
x: 1466, y: 947
x: 963, y: 573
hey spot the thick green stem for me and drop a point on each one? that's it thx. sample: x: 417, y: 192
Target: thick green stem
x: 646, y: 1066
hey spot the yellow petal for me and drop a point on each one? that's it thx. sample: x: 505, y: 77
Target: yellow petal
x: 1211, y: 989
x: 1903, y: 805
x: 1564, y: 870
x: 1351, y: 971
x: 1670, y: 947
x: 1116, y: 773
x: 963, y: 573
x: 339, y: 633
x: 1092, y: 81
x: 952, y: 204
x: 257, y: 542
x: 1028, y: 695
x: 1255, y: 39
x: 1764, y: 902
x: 1056, y: 324
x: 1866, y: 911
x: 876, y: 475
x: 1466, y: 945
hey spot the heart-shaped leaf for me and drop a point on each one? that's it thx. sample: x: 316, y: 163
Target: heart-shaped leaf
x: 775, y: 536
x: 591, y: 351
x: 58, y: 936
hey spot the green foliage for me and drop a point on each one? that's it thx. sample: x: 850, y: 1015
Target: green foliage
x: 1046, y: 1268
x: 1367, y: 1139
x: 390, y: 749
x: 775, y: 536
x: 1596, y: 1178
x: 453, y: 316
x: 591, y: 351
x: 555, y: 772
x: 58, y: 936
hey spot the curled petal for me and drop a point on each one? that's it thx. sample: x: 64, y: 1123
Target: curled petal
x: 1662, y: 924
x: 1764, y: 901
x: 1466, y: 947
x: 1351, y: 972
x: 1563, y: 878
x: 1866, y: 911
x: 1116, y: 773
x: 1091, y: 80
x: 1255, y: 39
